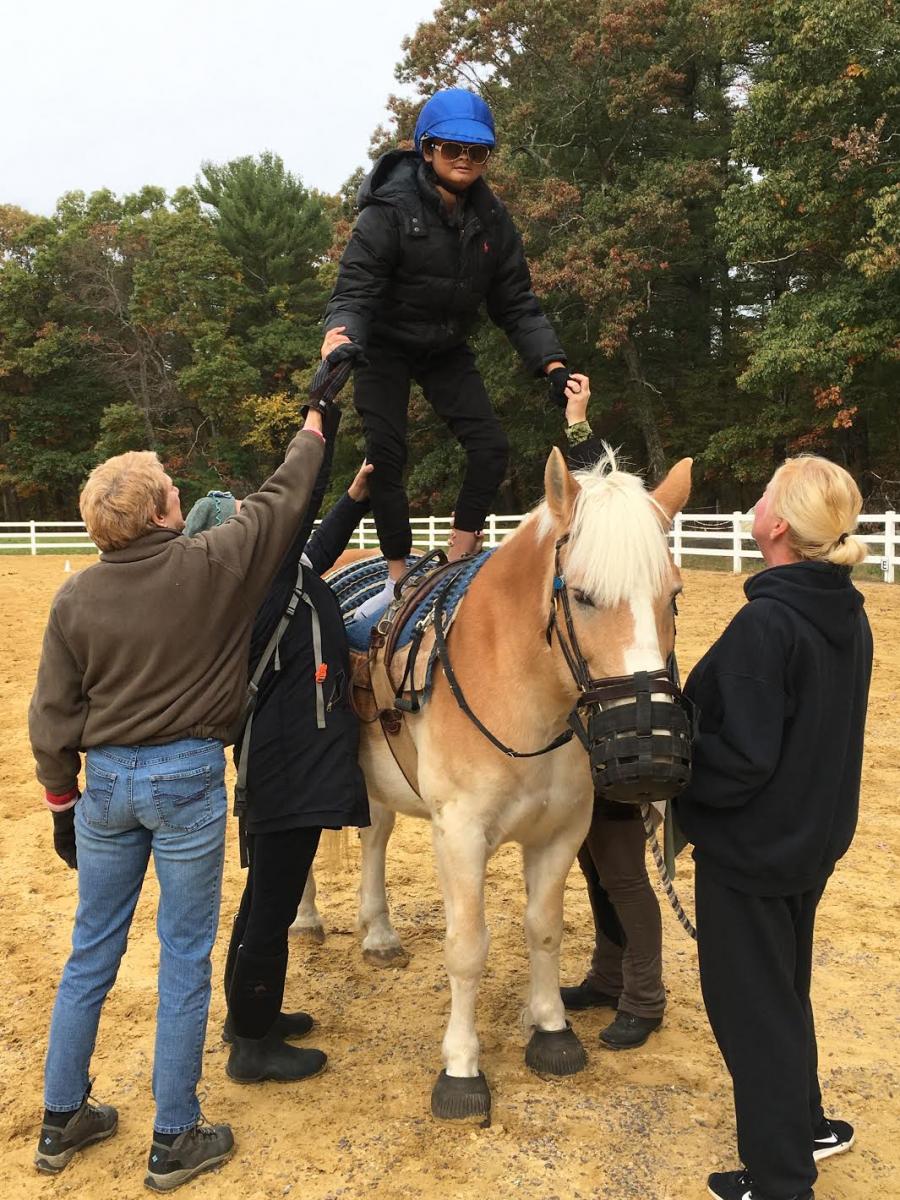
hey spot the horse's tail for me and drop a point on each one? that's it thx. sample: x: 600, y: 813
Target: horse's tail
x: 665, y: 877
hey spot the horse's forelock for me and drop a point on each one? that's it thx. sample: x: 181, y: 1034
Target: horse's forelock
x: 616, y: 549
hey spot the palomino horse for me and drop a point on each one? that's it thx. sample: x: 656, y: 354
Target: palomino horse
x: 598, y: 545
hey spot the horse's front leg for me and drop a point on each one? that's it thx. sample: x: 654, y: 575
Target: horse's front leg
x: 554, y: 1048
x: 381, y: 945
x: 461, y: 1091
x: 308, y: 922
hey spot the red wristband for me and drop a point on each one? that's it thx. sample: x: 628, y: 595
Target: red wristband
x: 59, y: 802
x: 316, y: 432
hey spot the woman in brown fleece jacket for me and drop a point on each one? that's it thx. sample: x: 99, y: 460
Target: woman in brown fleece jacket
x: 144, y: 667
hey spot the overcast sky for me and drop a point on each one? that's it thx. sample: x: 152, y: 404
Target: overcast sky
x: 112, y: 93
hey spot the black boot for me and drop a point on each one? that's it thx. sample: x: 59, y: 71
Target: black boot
x: 253, y: 1060
x: 254, y: 1006
x: 628, y: 1031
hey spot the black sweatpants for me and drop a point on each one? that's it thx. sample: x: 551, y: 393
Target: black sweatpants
x: 256, y: 965
x: 454, y: 389
x: 755, y: 968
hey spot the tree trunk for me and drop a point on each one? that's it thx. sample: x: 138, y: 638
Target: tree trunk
x: 644, y: 410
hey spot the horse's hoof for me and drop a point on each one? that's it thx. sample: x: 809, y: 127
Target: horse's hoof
x: 461, y: 1099
x: 555, y: 1052
x: 314, y: 934
x: 390, y: 956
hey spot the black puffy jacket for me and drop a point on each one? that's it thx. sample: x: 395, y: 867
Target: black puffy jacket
x: 414, y: 277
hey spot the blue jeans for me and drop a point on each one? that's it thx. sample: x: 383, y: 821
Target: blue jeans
x: 169, y: 800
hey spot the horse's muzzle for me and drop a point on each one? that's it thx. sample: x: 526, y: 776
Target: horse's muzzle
x: 640, y: 748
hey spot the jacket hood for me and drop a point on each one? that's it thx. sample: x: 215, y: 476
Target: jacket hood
x: 821, y: 592
x: 404, y: 179
x: 391, y: 180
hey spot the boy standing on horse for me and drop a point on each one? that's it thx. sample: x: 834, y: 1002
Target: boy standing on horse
x: 433, y: 242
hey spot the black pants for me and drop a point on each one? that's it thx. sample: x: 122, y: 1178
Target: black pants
x: 256, y: 965
x: 454, y: 389
x: 755, y: 968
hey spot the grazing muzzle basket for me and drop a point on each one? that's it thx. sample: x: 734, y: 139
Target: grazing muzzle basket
x: 639, y: 747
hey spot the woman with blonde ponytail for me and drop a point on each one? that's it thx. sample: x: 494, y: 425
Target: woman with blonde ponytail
x: 820, y: 504
x: 771, y: 808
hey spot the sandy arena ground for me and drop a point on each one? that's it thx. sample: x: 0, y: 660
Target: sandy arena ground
x: 647, y: 1125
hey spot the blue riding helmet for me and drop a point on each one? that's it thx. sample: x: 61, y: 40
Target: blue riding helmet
x: 455, y: 115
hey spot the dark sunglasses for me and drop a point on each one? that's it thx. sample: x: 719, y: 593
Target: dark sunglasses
x: 451, y: 151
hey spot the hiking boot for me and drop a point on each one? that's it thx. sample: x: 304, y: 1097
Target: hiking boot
x: 288, y: 1026
x: 58, y: 1144
x: 583, y: 995
x: 253, y: 1060
x: 196, y: 1150
x: 832, y: 1137
x: 628, y: 1031
x: 738, y: 1185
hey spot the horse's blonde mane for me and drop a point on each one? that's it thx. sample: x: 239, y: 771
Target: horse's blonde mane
x: 616, y: 548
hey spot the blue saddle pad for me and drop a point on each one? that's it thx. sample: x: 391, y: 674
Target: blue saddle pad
x: 358, y: 581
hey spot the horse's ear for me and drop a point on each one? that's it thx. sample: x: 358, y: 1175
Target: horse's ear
x: 561, y: 489
x: 672, y: 494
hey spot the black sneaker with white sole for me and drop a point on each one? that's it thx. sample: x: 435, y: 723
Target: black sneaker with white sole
x: 738, y: 1185
x: 194, y: 1151
x: 58, y: 1144
x: 832, y: 1137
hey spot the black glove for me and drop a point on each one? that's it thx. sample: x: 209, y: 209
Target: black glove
x: 557, y: 380
x: 64, y: 837
x: 332, y: 374
x: 348, y: 352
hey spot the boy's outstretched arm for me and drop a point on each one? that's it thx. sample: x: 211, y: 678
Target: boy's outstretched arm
x: 365, y: 271
x: 512, y: 304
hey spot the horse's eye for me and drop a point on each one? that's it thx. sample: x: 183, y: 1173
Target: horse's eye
x: 583, y: 598
x: 674, y: 606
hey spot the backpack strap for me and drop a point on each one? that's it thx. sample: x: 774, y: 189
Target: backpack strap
x: 272, y: 651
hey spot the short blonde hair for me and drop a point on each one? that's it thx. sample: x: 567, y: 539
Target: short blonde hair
x: 122, y: 496
x: 821, y: 503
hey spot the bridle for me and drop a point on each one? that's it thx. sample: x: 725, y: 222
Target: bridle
x: 641, y: 745
x: 640, y: 748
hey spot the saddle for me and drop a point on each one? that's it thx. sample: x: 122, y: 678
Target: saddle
x: 392, y: 658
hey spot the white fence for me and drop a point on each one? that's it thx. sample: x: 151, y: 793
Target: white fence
x: 693, y: 535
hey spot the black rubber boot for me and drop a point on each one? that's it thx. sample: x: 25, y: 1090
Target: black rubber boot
x: 254, y: 1060
x: 254, y: 1006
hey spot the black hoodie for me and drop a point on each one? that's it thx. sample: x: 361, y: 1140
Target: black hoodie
x: 782, y: 694
x: 415, y: 278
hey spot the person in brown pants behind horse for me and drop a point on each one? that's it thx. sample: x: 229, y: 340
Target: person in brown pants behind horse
x: 626, y: 967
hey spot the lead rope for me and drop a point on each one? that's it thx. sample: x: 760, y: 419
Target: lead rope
x: 665, y: 878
